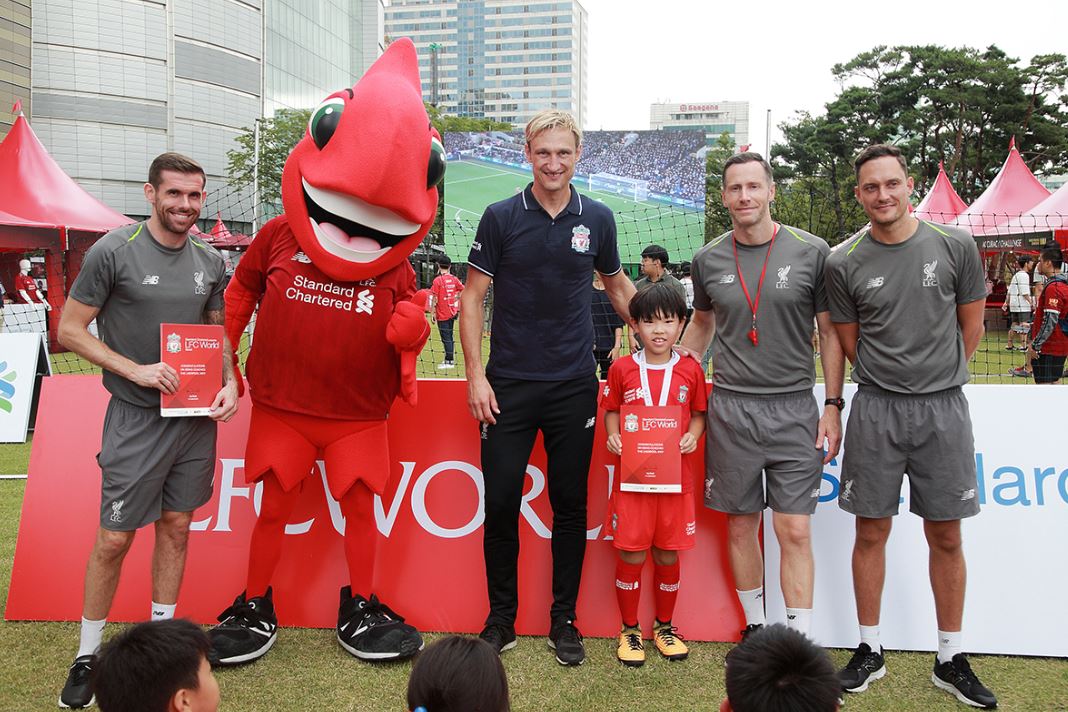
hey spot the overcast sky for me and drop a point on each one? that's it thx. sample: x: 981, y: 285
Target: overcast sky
x: 778, y: 54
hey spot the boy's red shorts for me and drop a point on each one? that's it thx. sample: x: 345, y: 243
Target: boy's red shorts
x: 639, y: 520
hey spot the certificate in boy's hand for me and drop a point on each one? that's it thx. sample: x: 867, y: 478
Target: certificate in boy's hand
x: 651, y: 460
x: 195, y: 351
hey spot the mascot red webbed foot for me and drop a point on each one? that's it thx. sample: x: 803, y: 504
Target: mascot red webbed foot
x: 338, y: 333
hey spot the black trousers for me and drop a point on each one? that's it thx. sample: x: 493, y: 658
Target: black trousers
x: 604, y: 361
x: 564, y: 412
x: 445, y: 329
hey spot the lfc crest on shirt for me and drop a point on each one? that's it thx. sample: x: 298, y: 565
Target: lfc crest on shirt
x: 580, y: 239
x: 683, y: 391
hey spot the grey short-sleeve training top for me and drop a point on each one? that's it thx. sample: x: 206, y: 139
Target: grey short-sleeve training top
x: 904, y: 298
x: 138, y: 284
x: 792, y: 295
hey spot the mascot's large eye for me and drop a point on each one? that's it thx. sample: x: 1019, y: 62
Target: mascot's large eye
x: 435, y: 170
x: 324, y: 120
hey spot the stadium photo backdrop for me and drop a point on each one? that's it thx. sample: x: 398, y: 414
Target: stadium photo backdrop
x: 654, y: 182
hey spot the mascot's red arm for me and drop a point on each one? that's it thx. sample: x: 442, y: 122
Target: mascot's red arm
x: 408, y: 331
x: 240, y: 305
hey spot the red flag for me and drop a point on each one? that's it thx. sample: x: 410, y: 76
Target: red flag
x: 17, y: 108
x: 744, y: 148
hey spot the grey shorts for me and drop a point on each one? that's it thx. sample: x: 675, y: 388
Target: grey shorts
x: 750, y: 435
x: 150, y: 464
x: 928, y: 437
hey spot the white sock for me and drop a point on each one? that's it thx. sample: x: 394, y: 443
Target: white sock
x: 92, y: 636
x: 870, y: 634
x: 163, y: 611
x: 753, y: 606
x: 800, y: 619
x: 949, y: 644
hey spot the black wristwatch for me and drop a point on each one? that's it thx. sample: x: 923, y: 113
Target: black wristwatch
x: 836, y: 402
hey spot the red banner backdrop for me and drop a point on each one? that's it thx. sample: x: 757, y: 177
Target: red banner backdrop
x: 430, y: 565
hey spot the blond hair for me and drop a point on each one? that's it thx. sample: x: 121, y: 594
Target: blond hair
x: 552, y: 119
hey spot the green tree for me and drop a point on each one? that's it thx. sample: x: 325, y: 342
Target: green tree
x: 717, y: 219
x: 958, y: 106
x: 278, y: 135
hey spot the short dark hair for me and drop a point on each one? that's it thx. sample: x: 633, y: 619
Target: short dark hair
x: 879, y: 150
x: 141, y: 668
x: 656, y: 252
x: 657, y: 299
x: 172, y: 161
x: 747, y: 157
x: 1053, y: 255
x: 458, y: 674
x: 780, y: 670
x: 444, y: 261
x: 1022, y: 260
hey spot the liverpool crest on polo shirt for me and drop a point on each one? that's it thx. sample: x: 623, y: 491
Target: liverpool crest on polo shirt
x: 580, y: 239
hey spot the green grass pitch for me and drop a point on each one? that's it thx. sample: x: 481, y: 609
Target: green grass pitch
x: 472, y: 185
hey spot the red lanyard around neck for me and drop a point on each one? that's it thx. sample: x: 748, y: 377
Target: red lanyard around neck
x: 753, y: 304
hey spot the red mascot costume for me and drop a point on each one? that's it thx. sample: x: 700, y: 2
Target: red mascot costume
x: 337, y: 336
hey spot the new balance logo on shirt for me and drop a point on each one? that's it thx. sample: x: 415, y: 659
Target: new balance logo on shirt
x: 727, y: 279
x: 301, y: 257
x: 150, y: 279
x: 875, y: 282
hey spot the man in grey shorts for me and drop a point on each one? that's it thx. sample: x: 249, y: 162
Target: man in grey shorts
x: 907, y: 300
x: 758, y: 288
x: 154, y: 470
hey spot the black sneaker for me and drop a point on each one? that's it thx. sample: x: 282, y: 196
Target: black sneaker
x: 957, y: 677
x: 246, y: 631
x: 501, y: 637
x: 864, y: 667
x: 566, y: 640
x: 749, y: 630
x: 369, y: 630
x: 76, y: 692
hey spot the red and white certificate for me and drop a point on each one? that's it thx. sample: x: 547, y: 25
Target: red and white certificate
x: 652, y: 461
x: 195, y: 351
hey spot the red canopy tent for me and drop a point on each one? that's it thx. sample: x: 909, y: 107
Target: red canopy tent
x: 1013, y: 192
x: 42, y: 208
x: 34, y: 189
x: 941, y: 204
x: 1051, y: 215
x: 221, y: 237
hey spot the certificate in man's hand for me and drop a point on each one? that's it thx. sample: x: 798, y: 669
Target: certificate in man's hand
x: 195, y: 351
x: 651, y: 459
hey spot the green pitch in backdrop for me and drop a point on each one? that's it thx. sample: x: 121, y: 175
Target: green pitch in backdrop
x: 472, y: 185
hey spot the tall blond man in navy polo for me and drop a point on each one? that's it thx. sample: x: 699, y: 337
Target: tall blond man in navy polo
x: 538, y: 247
x: 758, y: 288
x: 154, y: 470
x: 907, y: 300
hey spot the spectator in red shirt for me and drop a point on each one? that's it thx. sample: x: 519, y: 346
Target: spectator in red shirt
x: 1049, y: 345
x: 445, y: 293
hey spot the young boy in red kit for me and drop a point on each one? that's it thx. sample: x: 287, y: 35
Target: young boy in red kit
x: 663, y: 523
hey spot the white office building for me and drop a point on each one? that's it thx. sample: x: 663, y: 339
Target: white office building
x: 713, y: 117
x: 498, y: 59
x: 117, y: 82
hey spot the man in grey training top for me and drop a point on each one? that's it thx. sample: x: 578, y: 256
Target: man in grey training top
x: 758, y: 288
x: 907, y: 300
x: 154, y: 470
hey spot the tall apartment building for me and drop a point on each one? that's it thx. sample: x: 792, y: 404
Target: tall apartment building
x: 713, y: 117
x: 14, y: 59
x: 117, y: 82
x: 498, y: 59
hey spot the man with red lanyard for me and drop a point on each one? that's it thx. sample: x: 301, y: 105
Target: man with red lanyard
x: 445, y: 292
x: 757, y: 288
x: 1049, y: 345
